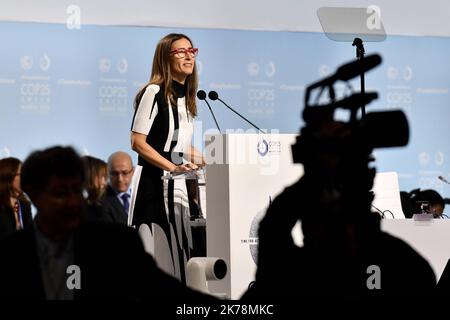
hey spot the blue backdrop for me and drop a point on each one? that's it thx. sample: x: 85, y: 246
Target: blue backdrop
x: 60, y: 86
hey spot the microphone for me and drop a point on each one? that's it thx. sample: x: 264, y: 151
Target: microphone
x: 213, y: 95
x: 352, y: 103
x: 443, y: 179
x: 201, y: 94
x: 345, y: 73
x: 446, y: 200
x: 349, y: 71
x: 355, y: 68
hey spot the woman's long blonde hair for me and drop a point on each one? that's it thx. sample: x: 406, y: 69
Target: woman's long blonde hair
x: 162, y: 76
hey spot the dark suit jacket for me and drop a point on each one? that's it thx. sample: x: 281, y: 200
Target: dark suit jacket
x: 8, y: 222
x: 112, y: 207
x: 112, y: 261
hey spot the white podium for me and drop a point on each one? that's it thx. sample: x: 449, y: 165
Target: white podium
x: 243, y: 173
x: 429, y: 238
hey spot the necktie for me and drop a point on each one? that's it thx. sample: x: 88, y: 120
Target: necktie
x: 17, y: 215
x: 126, y: 204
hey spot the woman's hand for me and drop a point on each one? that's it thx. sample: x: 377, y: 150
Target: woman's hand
x: 185, y: 167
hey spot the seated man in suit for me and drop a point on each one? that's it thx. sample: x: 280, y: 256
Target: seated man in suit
x: 117, y: 197
x: 61, y: 257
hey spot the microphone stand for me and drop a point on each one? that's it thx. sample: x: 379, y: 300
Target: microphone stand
x: 214, y: 117
x: 201, y: 94
x: 360, y: 56
x: 240, y: 115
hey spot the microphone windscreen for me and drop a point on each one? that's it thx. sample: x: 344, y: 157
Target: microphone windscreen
x: 201, y: 94
x: 213, y: 95
x: 350, y: 70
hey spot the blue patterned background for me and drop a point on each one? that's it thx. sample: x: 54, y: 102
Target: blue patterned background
x: 61, y: 86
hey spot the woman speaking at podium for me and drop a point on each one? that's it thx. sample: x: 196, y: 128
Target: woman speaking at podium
x: 161, y: 134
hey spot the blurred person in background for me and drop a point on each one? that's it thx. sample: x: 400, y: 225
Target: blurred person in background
x: 423, y: 201
x: 15, y: 209
x: 96, y: 177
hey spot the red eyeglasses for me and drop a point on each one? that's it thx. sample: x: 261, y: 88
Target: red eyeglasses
x: 181, y: 52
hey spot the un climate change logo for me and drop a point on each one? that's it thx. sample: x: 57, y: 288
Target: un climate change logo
x: 253, y: 235
x: 263, y: 148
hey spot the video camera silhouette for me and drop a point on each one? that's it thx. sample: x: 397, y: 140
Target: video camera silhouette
x: 376, y: 130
